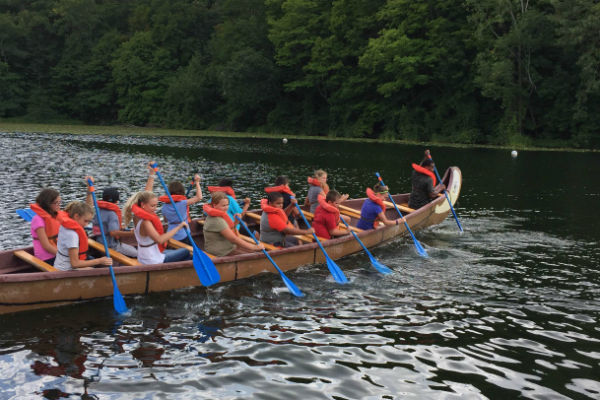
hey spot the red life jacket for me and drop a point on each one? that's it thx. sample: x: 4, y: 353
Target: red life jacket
x: 280, y: 189
x: 70, y: 223
x: 226, y: 189
x: 276, y: 216
x: 176, y: 198
x: 213, y: 212
x: 153, y: 218
x: 51, y: 223
x: 424, y: 171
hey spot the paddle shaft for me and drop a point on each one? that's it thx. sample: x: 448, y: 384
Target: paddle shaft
x: 199, y: 257
x: 164, y: 185
x: 380, y: 267
x: 420, y: 248
x: 336, y: 272
x: 437, y: 174
x: 117, y: 297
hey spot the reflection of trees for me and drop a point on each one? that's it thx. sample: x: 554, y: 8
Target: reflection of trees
x: 68, y: 353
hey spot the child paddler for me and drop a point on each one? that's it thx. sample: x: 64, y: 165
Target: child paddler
x: 275, y: 225
x: 317, y: 186
x: 220, y: 236
x: 327, y: 216
x: 183, y: 206
x: 373, y: 209
x: 72, y: 243
x: 282, y: 185
x: 149, y: 231
x: 45, y: 224
x: 112, y: 221
x: 226, y: 186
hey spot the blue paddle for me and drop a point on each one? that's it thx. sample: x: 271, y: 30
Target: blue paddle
x: 428, y: 154
x: 420, y: 248
x: 205, y: 268
x: 290, y: 285
x: 337, y: 273
x: 378, y: 266
x: 118, y: 301
x: 26, y: 213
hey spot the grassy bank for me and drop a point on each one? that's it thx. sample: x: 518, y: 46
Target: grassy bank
x: 80, y: 129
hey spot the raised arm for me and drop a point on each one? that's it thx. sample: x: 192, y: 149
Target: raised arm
x: 198, y: 196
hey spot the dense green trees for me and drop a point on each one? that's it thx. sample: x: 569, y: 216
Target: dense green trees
x: 474, y: 71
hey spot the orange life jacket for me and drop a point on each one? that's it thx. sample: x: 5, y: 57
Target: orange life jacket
x: 213, y: 212
x: 51, y: 223
x: 373, y: 197
x: 226, y: 189
x: 153, y: 218
x: 280, y: 189
x: 70, y: 223
x: 276, y: 216
x: 176, y: 198
x: 424, y: 171
x: 107, y: 205
x: 315, y: 182
x: 330, y: 208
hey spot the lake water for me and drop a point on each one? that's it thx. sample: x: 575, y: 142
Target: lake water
x: 508, y: 309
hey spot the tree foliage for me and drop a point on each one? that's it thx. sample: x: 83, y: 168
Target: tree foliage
x: 477, y: 71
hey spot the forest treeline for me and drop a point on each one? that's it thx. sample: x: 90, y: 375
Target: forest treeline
x: 466, y: 71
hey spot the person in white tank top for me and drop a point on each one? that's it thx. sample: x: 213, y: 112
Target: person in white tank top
x: 149, y: 238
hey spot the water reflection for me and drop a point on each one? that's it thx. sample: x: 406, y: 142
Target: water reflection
x: 508, y: 309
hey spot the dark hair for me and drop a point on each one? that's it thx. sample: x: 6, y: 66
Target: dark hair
x: 225, y: 182
x: 110, y: 194
x: 281, y: 180
x: 332, y: 195
x: 426, y: 162
x: 45, y: 199
x: 379, y: 188
x: 176, y: 187
x: 274, y: 196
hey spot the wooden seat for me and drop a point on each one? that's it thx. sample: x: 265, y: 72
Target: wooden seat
x: 115, y: 255
x: 33, y: 260
x: 176, y: 244
x: 402, y: 207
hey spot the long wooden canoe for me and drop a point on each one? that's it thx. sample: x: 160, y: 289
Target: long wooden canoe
x: 22, y: 287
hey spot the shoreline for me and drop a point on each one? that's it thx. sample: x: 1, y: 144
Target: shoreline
x: 130, y: 130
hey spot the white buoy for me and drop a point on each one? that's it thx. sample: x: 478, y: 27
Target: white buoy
x: 284, y: 140
x: 514, y: 154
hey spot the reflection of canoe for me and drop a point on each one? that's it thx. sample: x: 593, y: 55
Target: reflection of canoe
x: 22, y: 288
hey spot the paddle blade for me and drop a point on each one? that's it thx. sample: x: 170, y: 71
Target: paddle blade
x: 380, y: 267
x: 118, y: 301
x: 26, y: 213
x: 337, y: 273
x: 202, y: 264
x: 420, y: 248
x: 291, y: 286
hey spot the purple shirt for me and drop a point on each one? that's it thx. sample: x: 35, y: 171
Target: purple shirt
x: 38, y: 251
x: 369, y: 211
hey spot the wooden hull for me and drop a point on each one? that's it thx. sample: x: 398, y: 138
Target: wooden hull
x: 22, y: 291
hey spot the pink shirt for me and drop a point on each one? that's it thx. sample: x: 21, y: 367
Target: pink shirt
x: 38, y: 250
